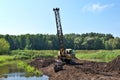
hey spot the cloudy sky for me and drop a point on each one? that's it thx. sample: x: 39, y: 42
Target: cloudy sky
x: 77, y: 16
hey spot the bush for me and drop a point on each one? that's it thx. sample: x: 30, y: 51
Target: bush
x: 5, y: 58
x: 4, y: 46
x: 31, y: 54
x: 30, y: 71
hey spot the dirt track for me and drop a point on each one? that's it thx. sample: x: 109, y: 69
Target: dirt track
x: 87, y: 70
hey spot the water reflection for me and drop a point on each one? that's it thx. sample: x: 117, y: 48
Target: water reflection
x: 24, y: 78
x: 20, y: 76
x: 11, y: 72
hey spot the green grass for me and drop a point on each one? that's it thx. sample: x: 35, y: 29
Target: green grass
x: 6, y: 63
x: 31, y: 54
x: 100, y: 55
x: 30, y: 71
x: 4, y: 58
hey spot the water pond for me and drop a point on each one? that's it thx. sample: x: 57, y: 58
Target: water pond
x: 12, y: 72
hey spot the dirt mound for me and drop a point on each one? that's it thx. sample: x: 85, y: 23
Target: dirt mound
x: 41, y: 62
x: 86, y: 70
x: 91, y: 67
x: 113, y: 65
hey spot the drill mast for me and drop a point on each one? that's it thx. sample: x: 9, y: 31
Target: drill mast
x: 59, y: 28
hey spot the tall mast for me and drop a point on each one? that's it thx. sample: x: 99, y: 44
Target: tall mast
x: 59, y: 27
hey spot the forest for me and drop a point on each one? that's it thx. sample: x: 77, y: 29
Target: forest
x: 87, y: 41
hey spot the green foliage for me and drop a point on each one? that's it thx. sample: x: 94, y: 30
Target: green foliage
x: 31, y: 54
x: 30, y: 71
x: 4, y: 46
x: 5, y: 63
x: 102, y: 55
x: 87, y: 41
x: 5, y: 58
x: 113, y: 44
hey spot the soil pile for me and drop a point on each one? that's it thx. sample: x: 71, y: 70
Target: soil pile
x: 91, y: 67
x: 86, y: 70
x: 41, y: 62
x: 113, y: 65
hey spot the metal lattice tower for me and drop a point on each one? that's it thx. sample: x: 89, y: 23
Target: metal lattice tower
x: 59, y: 27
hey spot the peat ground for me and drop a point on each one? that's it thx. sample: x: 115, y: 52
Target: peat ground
x: 86, y: 70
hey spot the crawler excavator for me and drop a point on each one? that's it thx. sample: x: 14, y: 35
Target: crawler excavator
x: 65, y: 56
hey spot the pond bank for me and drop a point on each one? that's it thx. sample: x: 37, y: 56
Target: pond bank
x: 11, y: 71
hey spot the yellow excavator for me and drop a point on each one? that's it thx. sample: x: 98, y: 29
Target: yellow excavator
x: 64, y: 55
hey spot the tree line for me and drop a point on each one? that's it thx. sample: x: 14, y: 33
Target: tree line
x: 87, y: 41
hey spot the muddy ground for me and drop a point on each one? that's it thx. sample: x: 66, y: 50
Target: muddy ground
x: 86, y: 70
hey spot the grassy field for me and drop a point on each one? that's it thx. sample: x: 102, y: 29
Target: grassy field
x: 31, y: 54
x: 27, y: 54
x: 97, y: 55
x: 4, y: 58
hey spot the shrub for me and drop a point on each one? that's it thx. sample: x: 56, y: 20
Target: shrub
x: 4, y: 46
x: 30, y: 71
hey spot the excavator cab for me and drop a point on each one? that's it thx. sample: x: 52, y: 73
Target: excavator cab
x: 71, y: 52
x: 66, y: 56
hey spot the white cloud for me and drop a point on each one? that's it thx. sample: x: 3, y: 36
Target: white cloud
x: 96, y: 7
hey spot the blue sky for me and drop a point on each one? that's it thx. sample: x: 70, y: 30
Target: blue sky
x: 77, y: 16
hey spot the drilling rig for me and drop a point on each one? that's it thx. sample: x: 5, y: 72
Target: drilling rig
x: 64, y: 55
